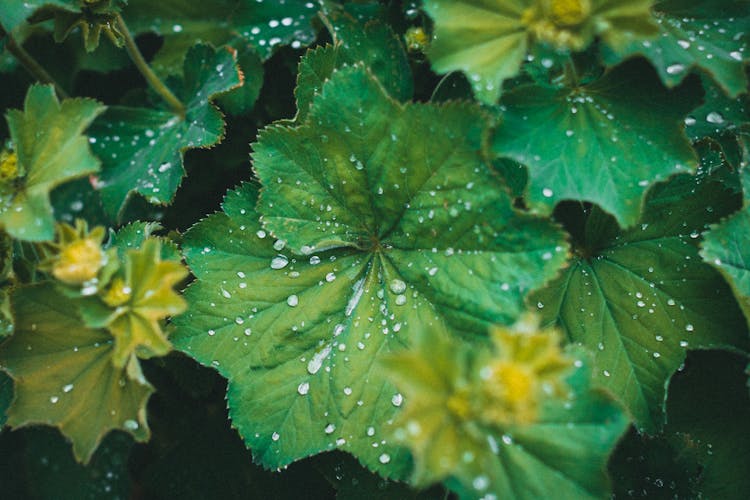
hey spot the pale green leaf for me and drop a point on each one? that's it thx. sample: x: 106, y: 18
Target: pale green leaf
x: 601, y: 142
x: 142, y: 149
x: 640, y: 298
x: 51, y: 148
x: 489, y: 39
x: 64, y: 376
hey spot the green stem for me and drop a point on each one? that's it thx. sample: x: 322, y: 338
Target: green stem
x: 571, y: 73
x: 146, y: 70
x: 30, y: 64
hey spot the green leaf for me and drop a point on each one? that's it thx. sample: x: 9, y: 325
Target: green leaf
x: 265, y: 25
x: 13, y: 13
x: 372, y: 43
x: 640, y: 298
x: 51, y: 148
x: 564, y: 450
x: 241, y: 100
x: 64, y: 376
x: 6, y: 395
x: 403, y: 229
x: 142, y: 149
x: 710, y: 35
x: 602, y: 142
x: 726, y: 248
x: 709, y: 409
x: 488, y: 40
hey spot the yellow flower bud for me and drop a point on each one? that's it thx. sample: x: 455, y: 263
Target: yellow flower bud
x: 79, y: 261
x: 118, y: 294
x: 569, y: 12
x: 8, y: 166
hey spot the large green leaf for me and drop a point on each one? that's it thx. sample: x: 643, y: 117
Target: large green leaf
x: 605, y: 142
x: 711, y: 35
x: 640, y: 298
x: 142, y: 148
x: 51, y: 148
x: 385, y: 224
x: 726, y: 248
x: 489, y: 39
x: 64, y: 376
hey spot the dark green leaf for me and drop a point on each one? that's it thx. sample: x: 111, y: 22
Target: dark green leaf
x: 142, y: 149
x: 602, y: 142
x: 640, y: 298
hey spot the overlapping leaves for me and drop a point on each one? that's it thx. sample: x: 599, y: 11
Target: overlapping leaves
x: 489, y: 40
x: 142, y: 148
x: 640, y: 298
x: 377, y: 223
x: 453, y: 430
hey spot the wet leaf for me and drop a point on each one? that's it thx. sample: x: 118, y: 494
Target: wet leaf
x: 142, y: 149
x: 597, y: 142
x: 489, y: 40
x: 372, y: 43
x: 64, y: 376
x: 377, y: 225
x: 51, y: 149
x: 725, y: 247
x: 710, y: 35
x: 640, y: 298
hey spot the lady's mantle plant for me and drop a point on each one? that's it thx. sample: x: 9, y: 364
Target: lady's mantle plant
x: 493, y: 248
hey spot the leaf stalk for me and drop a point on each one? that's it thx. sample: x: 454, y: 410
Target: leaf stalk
x: 148, y: 73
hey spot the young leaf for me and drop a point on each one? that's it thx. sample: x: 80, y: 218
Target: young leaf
x: 709, y: 35
x: 51, y: 149
x: 598, y: 142
x: 64, y: 375
x: 385, y: 224
x: 489, y: 40
x: 454, y: 435
x: 142, y: 149
x: 640, y: 298
x: 725, y: 248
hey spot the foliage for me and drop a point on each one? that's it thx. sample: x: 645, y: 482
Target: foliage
x: 386, y: 248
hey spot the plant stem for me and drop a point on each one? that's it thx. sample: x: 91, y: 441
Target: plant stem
x: 146, y: 70
x: 30, y: 64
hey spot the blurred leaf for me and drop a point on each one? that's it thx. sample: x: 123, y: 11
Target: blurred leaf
x: 489, y: 40
x: 64, y: 375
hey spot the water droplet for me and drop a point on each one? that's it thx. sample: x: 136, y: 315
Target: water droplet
x: 329, y: 429
x: 384, y: 458
x: 275, y: 436
x: 397, y: 286
x: 279, y: 262
x: 130, y: 425
x: 715, y: 118
x: 303, y: 388
x: 397, y: 399
x: 68, y: 388
x: 292, y: 301
x: 675, y: 69
x: 547, y: 192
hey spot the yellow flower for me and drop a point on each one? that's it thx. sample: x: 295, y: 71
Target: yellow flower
x: 80, y: 254
x: 416, y: 39
x: 561, y: 23
x: 528, y: 366
x: 8, y: 166
x: 569, y: 12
